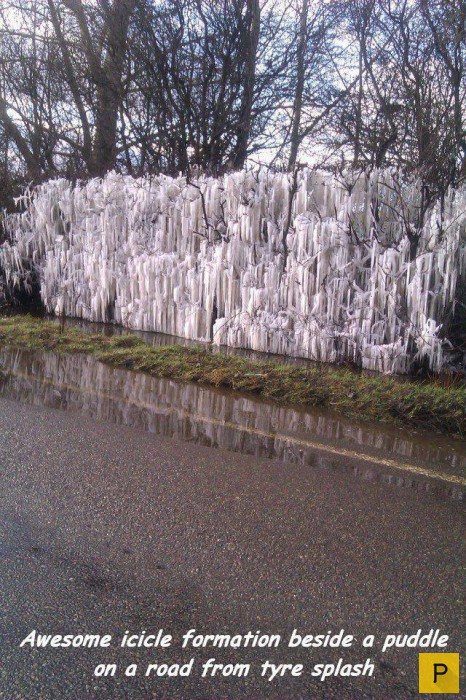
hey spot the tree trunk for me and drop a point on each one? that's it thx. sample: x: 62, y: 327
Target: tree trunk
x: 109, y: 89
x: 251, y: 41
x: 300, y: 75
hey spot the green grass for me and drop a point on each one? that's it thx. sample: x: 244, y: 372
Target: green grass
x: 429, y: 404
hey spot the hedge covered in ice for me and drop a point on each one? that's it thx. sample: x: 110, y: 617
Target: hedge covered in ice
x: 366, y: 272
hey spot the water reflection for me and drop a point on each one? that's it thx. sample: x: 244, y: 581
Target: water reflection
x: 221, y: 419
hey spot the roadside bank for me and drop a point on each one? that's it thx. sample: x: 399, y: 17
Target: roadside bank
x: 427, y: 404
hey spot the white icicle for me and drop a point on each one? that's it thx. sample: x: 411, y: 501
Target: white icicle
x: 206, y: 261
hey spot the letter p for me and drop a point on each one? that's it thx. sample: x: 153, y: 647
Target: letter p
x: 439, y: 670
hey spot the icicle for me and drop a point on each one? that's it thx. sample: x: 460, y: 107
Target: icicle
x: 205, y: 261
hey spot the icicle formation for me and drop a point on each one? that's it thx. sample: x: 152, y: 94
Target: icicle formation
x: 365, y: 274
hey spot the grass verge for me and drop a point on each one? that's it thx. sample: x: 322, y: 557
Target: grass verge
x: 420, y: 404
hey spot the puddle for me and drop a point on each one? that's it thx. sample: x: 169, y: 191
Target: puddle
x: 216, y: 418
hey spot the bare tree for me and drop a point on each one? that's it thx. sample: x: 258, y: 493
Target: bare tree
x: 158, y: 86
x: 104, y: 64
x: 61, y: 84
x: 447, y: 23
x: 406, y: 108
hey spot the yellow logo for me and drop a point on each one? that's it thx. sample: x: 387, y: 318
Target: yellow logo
x: 439, y: 673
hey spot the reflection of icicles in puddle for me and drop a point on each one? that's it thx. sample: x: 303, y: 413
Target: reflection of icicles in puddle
x: 219, y: 419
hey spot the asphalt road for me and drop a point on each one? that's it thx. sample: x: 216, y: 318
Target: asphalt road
x: 106, y: 528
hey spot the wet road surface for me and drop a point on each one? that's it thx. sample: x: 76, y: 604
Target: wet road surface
x: 114, y: 516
